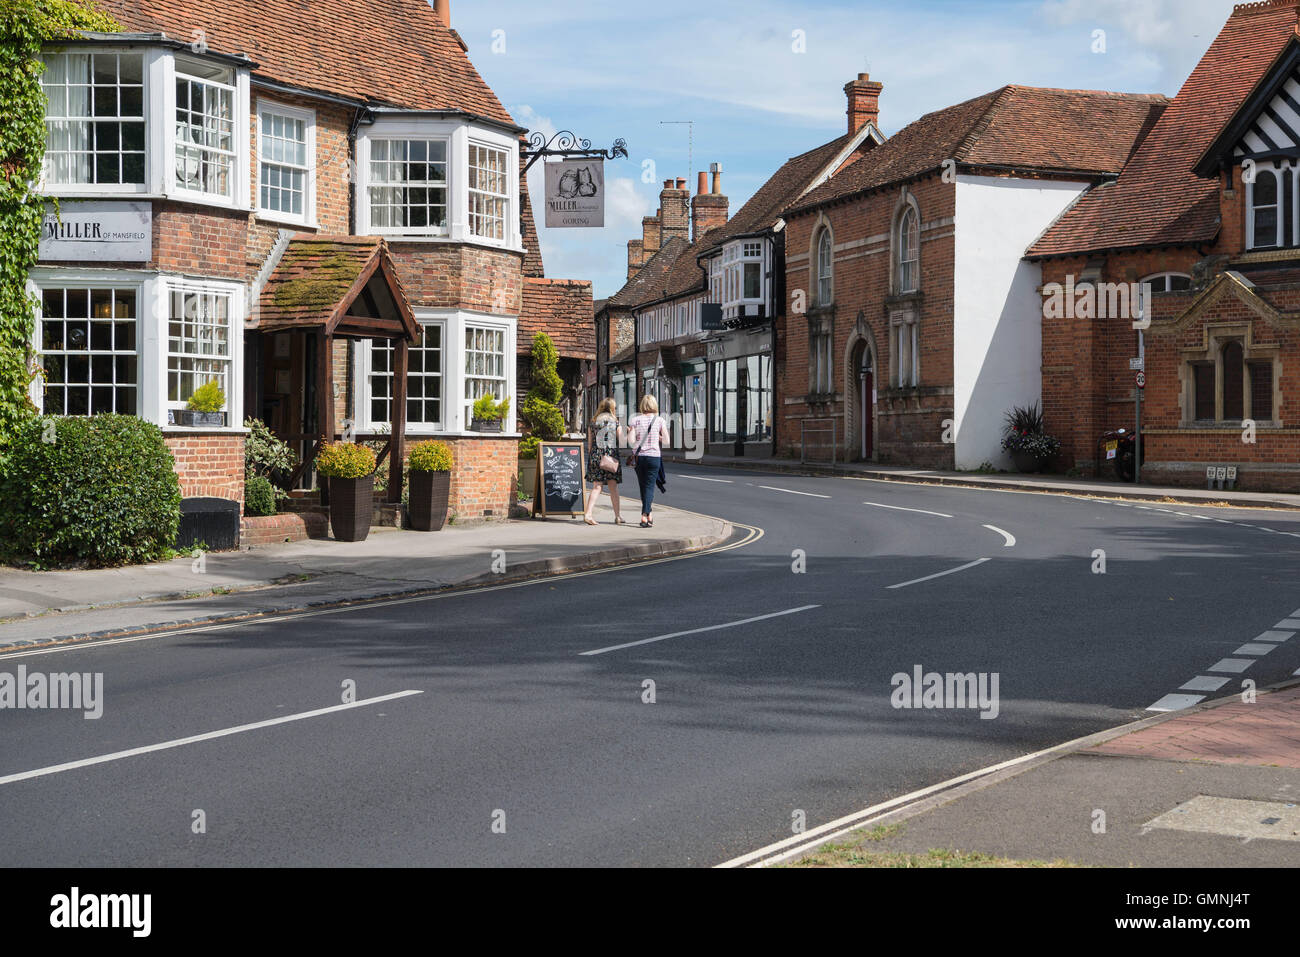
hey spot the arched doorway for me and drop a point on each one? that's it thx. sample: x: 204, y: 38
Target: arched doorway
x: 862, y: 369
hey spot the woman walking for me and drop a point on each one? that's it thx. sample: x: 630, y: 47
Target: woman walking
x: 647, y: 434
x: 603, y: 438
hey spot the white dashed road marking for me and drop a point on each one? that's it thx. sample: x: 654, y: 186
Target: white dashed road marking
x: 1176, y: 702
x: 1205, y: 683
x: 1232, y: 665
x: 951, y: 571
x: 1259, y: 649
x: 697, y: 631
x: 899, y: 508
x: 790, y: 491
x: 701, y: 478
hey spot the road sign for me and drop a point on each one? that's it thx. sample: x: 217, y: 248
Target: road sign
x: 1142, y: 380
x: 1137, y: 364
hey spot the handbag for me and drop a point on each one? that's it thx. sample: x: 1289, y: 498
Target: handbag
x: 607, y: 463
x: 631, y: 459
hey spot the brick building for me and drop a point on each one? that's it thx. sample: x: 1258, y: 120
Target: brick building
x: 911, y: 319
x: 336, y: 231
x: 1203, y: 227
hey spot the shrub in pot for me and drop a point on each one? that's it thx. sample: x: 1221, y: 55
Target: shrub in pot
x: 1031, y: 448
x: 489, y: 413
x: 203, y: 408
x: 528, y: 465
x: 98, y: 491
x: 429, y: 485
x: 259, y: 496
x: 269, y: 457
x: 350, y: 469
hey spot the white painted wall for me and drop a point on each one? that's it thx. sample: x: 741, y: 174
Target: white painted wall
x: 997, y: 309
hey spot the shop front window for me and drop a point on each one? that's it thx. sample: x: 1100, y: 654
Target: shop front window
x: 742, y: 399
x: 89, y: 351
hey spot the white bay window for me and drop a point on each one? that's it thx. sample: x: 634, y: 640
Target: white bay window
x: 95, y: 120
x: 89, y: 349
x: 198, y: 341
x: 424, y: 382
x: 205, y: 130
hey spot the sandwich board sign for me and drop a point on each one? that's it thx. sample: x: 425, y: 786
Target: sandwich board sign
x: 560, y: 489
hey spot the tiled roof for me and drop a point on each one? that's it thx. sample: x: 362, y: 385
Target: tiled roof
x: 533, y: 265
x: 317, y: 277
x: 395, y: 52
x: 1157, y: 199
x: 1078, y: 131
x: 562, y: 309
x: 785, y: 186
x: 649, y: 283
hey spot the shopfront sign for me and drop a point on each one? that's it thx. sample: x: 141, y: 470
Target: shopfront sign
x: 97, y: 231
x: 575, y: 194
x: 750, y: 342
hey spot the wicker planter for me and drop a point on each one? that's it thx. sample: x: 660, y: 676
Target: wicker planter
x: 352, y: 507
x: 429, y: 493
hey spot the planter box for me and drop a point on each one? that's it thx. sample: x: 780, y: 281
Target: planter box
x: 1027, y: 462
x: 485, y: 425
x: 352, y: 506
x: 199, y: 420
x: 428, y: 494
x: 527, y: 476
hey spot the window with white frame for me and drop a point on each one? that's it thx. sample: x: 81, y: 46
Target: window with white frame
x: 489, y: 191
x: 198, y: 341
x: 408, y: 185
x: 205, y: 129
x: 284, y: 152
x: 89, y: 350
x: 94, y: 119
x: 908, y: 247
x: 904, y: 349
x: 1265, y: 208
x: 824, y: 268
x: 423, y: 380
x: 485, y: 364
x: 715, y: 281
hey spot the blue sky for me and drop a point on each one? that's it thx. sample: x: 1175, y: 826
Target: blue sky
x: 611, y: 69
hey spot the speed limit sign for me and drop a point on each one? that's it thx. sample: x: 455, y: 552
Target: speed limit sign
x: 1142, y: 380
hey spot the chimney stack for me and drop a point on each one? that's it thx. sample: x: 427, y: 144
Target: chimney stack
x: 674, y: 212
x: 702, y: 186
x: 442, y: 10
x: 863, y: 95
x: 709, y: 210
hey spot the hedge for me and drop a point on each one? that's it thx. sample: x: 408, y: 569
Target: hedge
x: 98, y: 491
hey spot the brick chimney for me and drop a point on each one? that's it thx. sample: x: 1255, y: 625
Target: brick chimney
x: 442, y: 10
x: 709, y: 210
x: 674, y: 213
x: 864, y: 101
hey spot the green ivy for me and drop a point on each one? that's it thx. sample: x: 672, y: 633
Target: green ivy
x: 25, y: 26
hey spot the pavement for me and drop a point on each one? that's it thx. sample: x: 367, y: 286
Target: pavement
x: 1058, y: 484
x: 1215, y: 786
x: 50, y: 606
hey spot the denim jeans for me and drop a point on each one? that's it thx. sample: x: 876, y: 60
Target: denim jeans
x: 647, y: 472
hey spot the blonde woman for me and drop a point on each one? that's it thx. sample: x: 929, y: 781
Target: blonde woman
x: 647, y: 435
x: 603, y: 436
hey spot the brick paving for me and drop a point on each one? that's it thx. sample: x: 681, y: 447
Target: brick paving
x: 1266, y: 733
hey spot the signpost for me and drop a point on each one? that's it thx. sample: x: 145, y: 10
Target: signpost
x: 559, y: 488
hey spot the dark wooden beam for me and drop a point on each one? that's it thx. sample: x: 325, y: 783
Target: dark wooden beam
x: 398, y: 442
x: 367, y: 325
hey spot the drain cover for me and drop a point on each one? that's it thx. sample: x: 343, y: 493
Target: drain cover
x: 1233, y: 817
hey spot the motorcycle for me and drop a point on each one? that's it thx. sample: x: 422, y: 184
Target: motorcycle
x: 1120, y: 446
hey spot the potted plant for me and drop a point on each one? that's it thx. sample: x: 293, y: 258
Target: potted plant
x: 489, y: 413
x: 528, y: 464
x: 350, y: 469
x: 203, y: 409
x: 429, y: 485
x: 1031, y: 448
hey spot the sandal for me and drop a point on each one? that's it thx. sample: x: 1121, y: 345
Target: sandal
x: 645, y: 525
x: 590, y: 521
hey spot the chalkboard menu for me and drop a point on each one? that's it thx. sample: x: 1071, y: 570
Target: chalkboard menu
x: 560, y: 489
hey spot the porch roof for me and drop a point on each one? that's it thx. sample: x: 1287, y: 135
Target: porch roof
x: 345, y: 285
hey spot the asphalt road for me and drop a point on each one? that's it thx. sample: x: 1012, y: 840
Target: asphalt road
x: 516, y: 748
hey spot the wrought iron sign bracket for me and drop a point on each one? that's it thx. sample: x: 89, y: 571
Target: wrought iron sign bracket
x: 566, y: 143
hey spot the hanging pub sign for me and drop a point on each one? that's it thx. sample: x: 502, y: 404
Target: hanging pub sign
x: 575, y: 193
x: 97, y: 231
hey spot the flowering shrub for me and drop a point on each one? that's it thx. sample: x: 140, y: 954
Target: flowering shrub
x: 430, y: 457
x: 345, y: 460
x: 1024, y: 433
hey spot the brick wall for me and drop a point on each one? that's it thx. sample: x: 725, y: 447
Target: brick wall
x: 209, y: 464
x: 457, y: 276
x: 908, y: 427
x: 483, y: 477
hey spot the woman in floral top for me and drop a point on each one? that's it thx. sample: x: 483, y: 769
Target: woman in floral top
x: 604, y: 436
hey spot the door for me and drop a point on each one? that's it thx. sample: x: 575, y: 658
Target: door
x: 866, y: 405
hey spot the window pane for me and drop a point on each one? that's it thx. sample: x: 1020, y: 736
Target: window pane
x: 1261, y: 391
x: 1204, y: 374
x: 1233, y: 381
